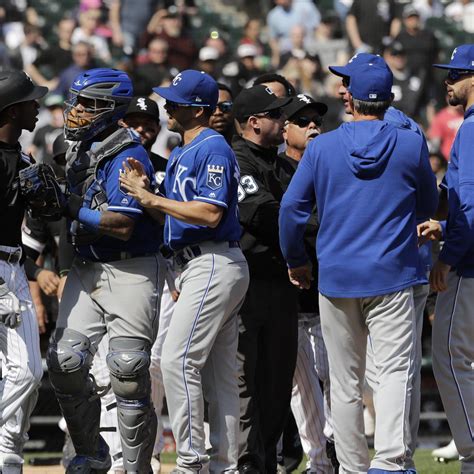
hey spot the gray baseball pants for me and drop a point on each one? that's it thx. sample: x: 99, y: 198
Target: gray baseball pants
x: 453, y: 362
x: 199, y: 358
x: 390, y: 322
x: 420, y: 293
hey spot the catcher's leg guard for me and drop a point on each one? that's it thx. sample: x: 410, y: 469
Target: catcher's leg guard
x: 69, y: 359
x: 129, y: 362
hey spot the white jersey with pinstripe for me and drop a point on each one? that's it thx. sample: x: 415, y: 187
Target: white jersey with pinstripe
x: 21, y: 362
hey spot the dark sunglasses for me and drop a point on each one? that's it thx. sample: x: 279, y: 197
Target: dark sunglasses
x: 346, y: 81
x: 455, y: 74
x: 272, y: 114
x: 225, y: 106
x: 303, y: 121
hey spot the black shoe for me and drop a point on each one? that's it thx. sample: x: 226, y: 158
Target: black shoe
x: 331, y: 454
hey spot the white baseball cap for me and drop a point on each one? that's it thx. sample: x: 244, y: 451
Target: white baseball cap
x: 208, y: 53
x: 247, y: 50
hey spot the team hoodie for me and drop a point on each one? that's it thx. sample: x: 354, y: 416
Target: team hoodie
x: 371, y: 181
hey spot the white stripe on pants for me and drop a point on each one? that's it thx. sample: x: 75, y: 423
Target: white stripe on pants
x: 453, y: 362
x: 307, y: 402
x: 22, y: 364
x: 390, y: 321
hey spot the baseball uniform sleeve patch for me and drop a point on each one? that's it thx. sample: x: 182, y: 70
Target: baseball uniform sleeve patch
x: 215, y: 174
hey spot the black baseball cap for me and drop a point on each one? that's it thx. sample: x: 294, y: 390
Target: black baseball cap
x: 256, y: 100
x: 143, y: 105
x: 300, y: 102
x: 16, y: 87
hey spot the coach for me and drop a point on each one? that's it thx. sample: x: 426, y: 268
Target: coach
x: 370, y: 180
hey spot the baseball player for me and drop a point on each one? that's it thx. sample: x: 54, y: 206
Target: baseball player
x: 202, y: 229
x: 453, y: 274
x: 19, y: 340
x: 304, y: 120
x: 113, y: 285
x: 370, y: 180
x: 420, y: 292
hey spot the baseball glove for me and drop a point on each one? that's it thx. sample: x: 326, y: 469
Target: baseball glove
x: 42, y: 192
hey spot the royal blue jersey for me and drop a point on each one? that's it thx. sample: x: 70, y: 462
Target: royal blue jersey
x: 146, y: 236
x: 204, y: 170
x: 458, y: 249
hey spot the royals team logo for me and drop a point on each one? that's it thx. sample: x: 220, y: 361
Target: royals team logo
x: 214, y: 176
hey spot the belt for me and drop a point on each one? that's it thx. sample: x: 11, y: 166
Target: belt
x: 11, y: 257
x: 186, y: 254
x: 118, y: 256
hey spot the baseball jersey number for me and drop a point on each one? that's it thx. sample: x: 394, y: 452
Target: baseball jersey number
x: 247, y: 185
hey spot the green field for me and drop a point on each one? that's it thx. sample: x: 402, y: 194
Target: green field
x: 423, y: 460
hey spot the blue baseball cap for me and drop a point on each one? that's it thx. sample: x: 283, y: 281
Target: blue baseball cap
x: 462, y: 58
x: 371, y: 82
x: 191, y: 87
x: 355, y: 62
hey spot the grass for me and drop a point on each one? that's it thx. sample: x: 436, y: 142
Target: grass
x: 423, y: 460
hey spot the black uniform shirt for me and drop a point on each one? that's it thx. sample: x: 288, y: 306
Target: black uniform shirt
x: 260, y: 193
x: 12, y: 206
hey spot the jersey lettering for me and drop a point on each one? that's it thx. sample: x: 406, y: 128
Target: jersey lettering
x: 179, y: 185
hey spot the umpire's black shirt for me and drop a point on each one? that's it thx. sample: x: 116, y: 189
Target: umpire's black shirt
x: 260, y: 193
x: 12, y: 206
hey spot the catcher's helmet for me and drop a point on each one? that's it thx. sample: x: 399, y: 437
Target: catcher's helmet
x: 16, y: 87
x: 111, y: 91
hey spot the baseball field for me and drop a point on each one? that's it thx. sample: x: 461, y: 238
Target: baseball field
x: 423, y: 459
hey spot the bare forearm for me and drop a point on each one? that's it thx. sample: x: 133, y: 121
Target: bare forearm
x: 353, y: 31
x: 191, y: 212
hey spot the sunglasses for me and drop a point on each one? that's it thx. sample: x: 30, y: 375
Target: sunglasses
x: 455, y: 74
x: 346, y: 81
x: 303, y: 121
x: 271, y: 114
x: 225, y: 106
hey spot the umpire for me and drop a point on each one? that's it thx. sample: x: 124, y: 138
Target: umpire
x: 268, y: 322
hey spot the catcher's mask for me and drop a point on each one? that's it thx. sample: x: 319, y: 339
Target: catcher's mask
x: 98, y: 99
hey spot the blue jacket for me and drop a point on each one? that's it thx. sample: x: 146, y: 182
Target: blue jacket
x: 458, y: 249
x: 371, y: 181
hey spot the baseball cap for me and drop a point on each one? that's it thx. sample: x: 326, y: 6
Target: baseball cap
x: 143, y: 105
x: 16, y: 87
x: 462, y: 58
x: 54, y: 100
x: 191, y: 87
x: 395, y: 48
x: 300, y: 102
x: 208, y: 53
x: 247, y: 50
x: 371, y: 82
x: 255, y: 100
x: 409, y: 11
x: 355, y: 61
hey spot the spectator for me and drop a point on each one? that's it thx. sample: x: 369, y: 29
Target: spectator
x: 444, y: 127
x: 86, y: 32
x: 207, y: 61
x: 43, y: 138
x: 154, y: 69
x: 429, y: 9
x: 222, y: 119
x: 55, y: 58
x: 129, y: 22
x: 239, y: 73
x: 282, y: 18
x: 30, y: 47
x: 82, y: 60
x: 462, y: 13
x: 328, y: 42
x: 252, y: 32
x: 409, y: 95
x: 420, y: 44
x: 182, y: 51
x: 368, y: 22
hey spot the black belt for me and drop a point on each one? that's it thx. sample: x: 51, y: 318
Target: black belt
x: 11, y: 257
x: 118, y: 256
x: 185, y: 255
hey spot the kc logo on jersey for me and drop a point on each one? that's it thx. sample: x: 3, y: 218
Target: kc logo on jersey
x: 214, y: 176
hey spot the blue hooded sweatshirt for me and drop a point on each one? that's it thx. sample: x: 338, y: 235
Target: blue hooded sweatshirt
x: 371, y: 181
x: 399, y: 119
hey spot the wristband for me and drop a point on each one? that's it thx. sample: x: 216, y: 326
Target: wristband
x: 89, y: 218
